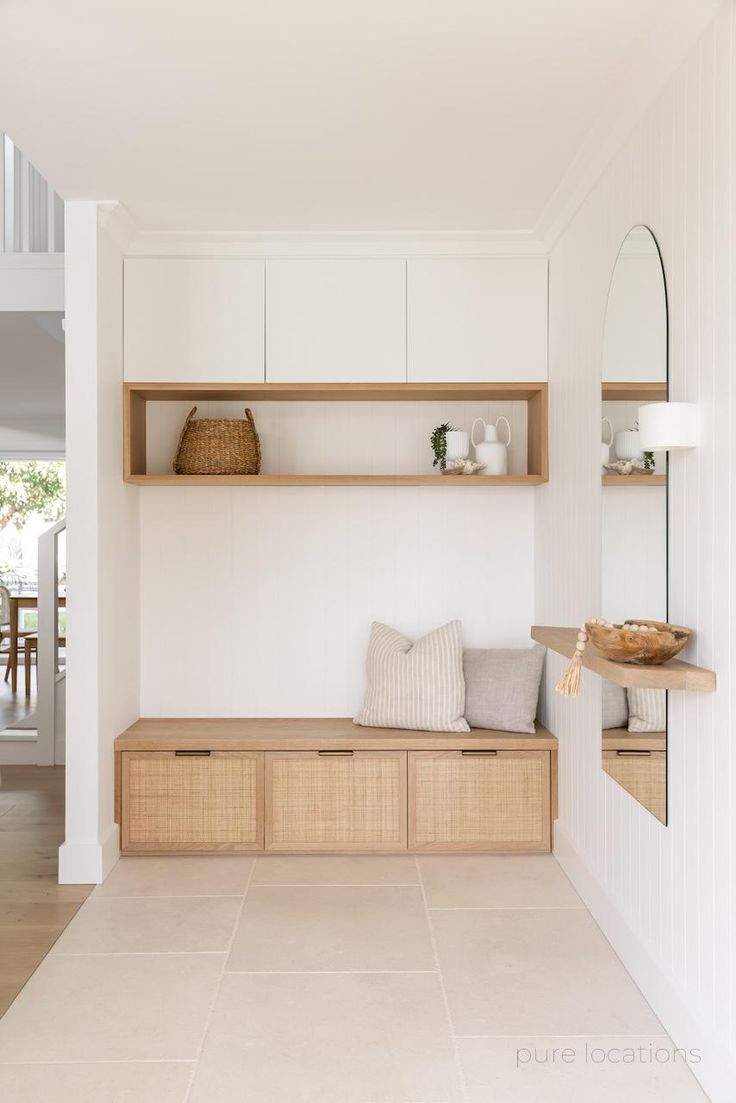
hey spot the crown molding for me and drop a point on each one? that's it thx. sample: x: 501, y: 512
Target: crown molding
x: 330, y: 244
x: 660, y: 54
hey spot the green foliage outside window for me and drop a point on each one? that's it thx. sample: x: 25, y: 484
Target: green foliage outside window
x: 27, y: 487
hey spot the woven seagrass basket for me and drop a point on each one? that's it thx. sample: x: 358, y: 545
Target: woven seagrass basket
x: 218, y: 446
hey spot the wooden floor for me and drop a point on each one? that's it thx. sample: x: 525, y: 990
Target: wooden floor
x: 15, y: 706
x: 34, y: 909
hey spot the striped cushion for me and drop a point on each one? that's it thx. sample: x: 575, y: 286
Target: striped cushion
x: 419, y: 685
x: 647, y: 710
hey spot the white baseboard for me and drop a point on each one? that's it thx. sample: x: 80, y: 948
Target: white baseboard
x: 18, y: 748
x: 88, y: 863
x: 716, y: 1072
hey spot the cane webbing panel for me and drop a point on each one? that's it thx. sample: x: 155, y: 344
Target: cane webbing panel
x: 191, y: 803
x: 496, y: 801
x: 644, y: 776
x: 356, y: 801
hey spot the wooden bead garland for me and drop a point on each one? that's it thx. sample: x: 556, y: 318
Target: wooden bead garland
x: 569, y: 683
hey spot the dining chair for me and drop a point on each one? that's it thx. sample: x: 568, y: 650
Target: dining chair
x: 31, y: 649
x: 5, y: 628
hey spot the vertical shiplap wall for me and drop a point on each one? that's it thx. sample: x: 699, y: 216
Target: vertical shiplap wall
x: 258, y: 602
x: 665, y: 895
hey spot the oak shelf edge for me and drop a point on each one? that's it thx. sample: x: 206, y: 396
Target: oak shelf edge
x: 634, y: 480
x: 674, y: 675
x: 335, y: 480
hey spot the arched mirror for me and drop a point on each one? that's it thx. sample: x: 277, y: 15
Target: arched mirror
x: 634, y: 510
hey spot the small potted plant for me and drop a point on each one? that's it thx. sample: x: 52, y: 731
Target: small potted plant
x: 439, y: 445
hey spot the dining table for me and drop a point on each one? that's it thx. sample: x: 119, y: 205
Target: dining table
x: 21, y: 599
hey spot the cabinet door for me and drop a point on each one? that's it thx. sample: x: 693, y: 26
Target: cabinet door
x: 476, y: 800
x: 194, y: 320
x: 191, y: 801
x: 323, y: 800
x: 477, y: 320
x: 335, y: 321
x: 643, y: 775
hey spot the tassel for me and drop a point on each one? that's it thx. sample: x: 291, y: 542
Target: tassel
x: 570, y: 682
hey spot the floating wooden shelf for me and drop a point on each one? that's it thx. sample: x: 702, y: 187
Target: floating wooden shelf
x: 634, y: 392
x: 136, y: 396
x: 623, y: 740
x: 672, y: 675
x: 335, y: 480
x: 634, y: 480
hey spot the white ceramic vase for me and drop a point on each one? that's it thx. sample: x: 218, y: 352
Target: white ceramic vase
x: 491, y: 451
x: 458, y: 444
x: 627, y: 444
x: 606, y: 445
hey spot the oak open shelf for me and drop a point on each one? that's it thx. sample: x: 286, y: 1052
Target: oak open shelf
x: 672, y: 675
x: 136, y: 397
x: 634, y: 480
x: 634, y: 392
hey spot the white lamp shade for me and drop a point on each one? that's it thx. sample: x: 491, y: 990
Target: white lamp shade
x: 667, y: 425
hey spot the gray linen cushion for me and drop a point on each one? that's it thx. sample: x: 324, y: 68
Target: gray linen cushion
x: 502, y: 687
x: 614, y: 706
x: 418, y: 685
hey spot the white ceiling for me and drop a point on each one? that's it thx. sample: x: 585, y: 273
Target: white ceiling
x: 314, y: 115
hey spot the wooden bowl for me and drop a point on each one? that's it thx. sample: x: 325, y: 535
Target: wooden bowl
x: 619, y: 644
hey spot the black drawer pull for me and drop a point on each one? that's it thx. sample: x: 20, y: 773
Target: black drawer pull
x: 633, y: 754
x: 192, y: 754
x: 336, y: 754
x: 478, y: 754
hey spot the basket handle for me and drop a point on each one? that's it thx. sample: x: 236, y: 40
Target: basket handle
x: 190, y: 416
x: 251, y: 422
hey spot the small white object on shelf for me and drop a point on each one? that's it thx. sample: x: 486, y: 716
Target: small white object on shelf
x: 463, y: 467
x: 628, y: 445
x: 629, y: 467
x: 492, y: 452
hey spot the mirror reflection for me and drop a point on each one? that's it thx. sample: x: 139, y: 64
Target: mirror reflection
x: 634, y: 510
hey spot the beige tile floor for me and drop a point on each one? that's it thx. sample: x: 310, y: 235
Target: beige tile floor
x: 464, y: 979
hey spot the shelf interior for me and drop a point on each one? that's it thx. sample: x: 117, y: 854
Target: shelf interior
x: 336, y: 434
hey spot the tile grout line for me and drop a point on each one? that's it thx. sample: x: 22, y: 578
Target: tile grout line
x: 517, y: 908
x: 618, y: 1037
x: 102, y: 1061
x: 448, y: 1016
x: 169, y: 896
x: 136, y: 953
x: 218, y: 986
x: 329, y: 972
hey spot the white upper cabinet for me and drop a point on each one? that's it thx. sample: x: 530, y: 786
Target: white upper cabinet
x: 335, y: 321
x: 473, y: 320
x: 196, y: 319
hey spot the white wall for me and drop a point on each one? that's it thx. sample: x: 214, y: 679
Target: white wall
x: 102, y: 692
x: 634, y: 553
x: 32, y: 281
x: 32, y: 374
x: 664, y: 895
x: 258, y: 602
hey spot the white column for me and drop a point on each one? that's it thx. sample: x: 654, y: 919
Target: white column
x: 102, y: 686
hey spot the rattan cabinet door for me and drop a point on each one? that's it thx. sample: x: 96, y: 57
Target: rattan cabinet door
x: 642, y: 775
x: 476, y: 800
x: 323, y: 800
x: 191, y: 802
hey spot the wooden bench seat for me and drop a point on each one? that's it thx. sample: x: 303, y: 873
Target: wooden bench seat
x: 231, y: 784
